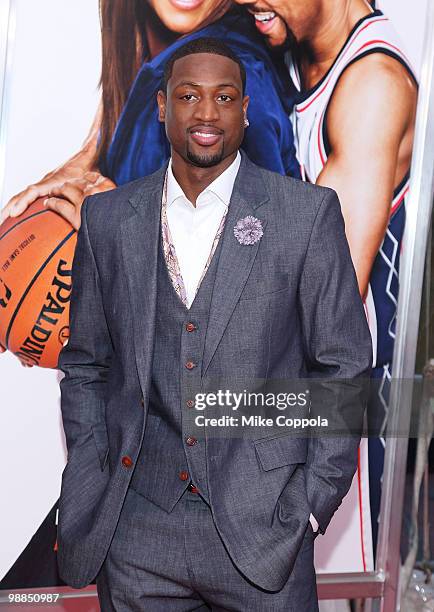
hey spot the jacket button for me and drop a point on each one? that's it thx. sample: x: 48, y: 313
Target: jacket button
x: 190, y: 327
x: 190, y: 440
x: 190, y: 365
x: 190, y: 403
x: 183, y: 475
x: 127, y: 461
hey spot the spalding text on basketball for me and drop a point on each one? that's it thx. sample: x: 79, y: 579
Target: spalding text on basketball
x: 55, y: 302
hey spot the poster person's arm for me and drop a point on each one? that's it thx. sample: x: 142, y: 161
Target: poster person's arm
x: 86, y: 358
x: 81, y: 166
x: 339, y: 356
x: 370, y: 123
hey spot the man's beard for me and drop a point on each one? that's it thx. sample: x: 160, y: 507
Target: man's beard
x: 289, y: 43
x: 205, y: 161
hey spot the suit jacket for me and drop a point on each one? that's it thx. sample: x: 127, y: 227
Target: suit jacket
x: 285, y: 307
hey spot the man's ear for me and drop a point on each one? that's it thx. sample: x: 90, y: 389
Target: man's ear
x: 245, y: 104
x: 161, y: 101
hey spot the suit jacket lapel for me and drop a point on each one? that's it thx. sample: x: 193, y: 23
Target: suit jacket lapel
x: 140, y: 242
x: 140, y: 234
x: 236, y: 260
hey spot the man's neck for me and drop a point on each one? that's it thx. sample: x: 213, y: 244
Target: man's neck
x: 193, y: 179
x: 322, y: 42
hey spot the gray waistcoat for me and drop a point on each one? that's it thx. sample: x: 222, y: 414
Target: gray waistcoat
x: 165, y: 453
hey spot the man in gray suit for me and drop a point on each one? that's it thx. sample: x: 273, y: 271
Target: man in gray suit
x: 209, y: 268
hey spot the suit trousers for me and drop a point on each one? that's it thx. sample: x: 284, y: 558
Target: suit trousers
x: 177, y: 562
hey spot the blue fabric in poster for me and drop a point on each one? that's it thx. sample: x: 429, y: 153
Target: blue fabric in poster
x: 139, y: 145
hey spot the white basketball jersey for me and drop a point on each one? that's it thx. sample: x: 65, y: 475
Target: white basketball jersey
x: 372, y: 34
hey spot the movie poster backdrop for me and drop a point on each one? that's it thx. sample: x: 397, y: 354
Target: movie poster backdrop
x: 50, y: 98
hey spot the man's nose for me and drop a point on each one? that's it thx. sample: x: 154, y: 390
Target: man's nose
x: 207, y: 110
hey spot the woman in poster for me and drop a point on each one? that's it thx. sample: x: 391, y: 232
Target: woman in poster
x: 126, y: 140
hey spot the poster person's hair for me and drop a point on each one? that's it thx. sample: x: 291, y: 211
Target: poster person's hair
x: 124, y: 48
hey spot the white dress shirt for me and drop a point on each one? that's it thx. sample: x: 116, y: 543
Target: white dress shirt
x: 193, y: 229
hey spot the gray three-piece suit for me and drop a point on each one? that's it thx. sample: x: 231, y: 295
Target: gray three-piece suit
x: 285, y: 307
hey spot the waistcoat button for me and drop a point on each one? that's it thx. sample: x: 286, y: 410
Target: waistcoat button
x: 190, y: 440
x: 190, y: 365
x: 190, y: 327
x: 183, y: 475
x: 127, y: 461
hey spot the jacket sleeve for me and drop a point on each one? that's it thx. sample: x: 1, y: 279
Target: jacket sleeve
x: 339, y: 349
x: 85, y: 359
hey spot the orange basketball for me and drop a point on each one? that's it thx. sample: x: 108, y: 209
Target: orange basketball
x: 36, y: 253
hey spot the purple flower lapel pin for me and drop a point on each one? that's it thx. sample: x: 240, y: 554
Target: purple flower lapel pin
x: 248, y: 230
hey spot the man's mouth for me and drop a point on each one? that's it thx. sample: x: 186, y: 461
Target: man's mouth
x: 264, y: 16
x: 205, y: 136
x: 264, y: 20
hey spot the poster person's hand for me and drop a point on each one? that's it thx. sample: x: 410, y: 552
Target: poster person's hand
x: 67, y: 198
x: 22, y: 200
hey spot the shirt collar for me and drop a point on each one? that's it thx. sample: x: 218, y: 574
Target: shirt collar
x: 222, y: 186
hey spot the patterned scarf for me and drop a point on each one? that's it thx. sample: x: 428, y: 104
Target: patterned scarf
x: 170, y: 253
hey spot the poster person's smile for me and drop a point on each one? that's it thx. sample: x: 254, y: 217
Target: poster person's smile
x: 186, y: 5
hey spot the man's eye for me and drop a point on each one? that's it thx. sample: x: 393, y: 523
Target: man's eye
x: 224, y: 98
x: 188, y: 97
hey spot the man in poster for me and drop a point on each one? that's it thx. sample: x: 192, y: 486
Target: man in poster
x: 202, y: 268
x: 353, y: 125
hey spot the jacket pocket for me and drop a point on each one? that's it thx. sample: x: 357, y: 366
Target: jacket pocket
x: 99, y: 432
x: 281, y: 450
x: 260, y: 288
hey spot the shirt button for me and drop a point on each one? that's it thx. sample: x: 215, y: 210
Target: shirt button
x: 190, y: 365
x: 183, y: 475
x: 190, y: 403
x: 127, y: 461
x: 191, y: 441
x: 190, y: 327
